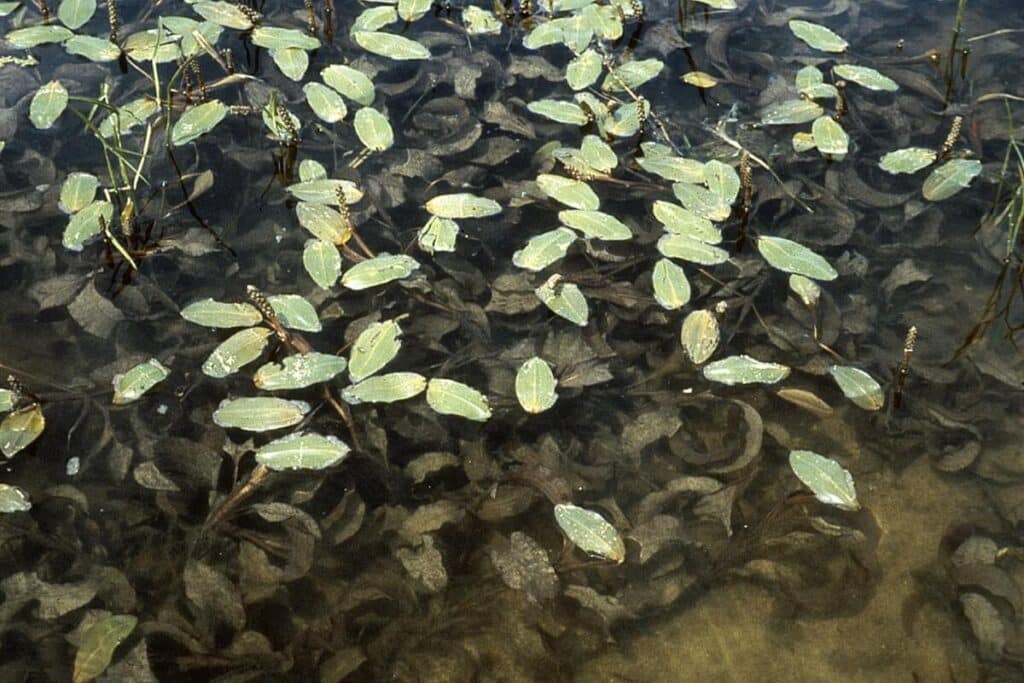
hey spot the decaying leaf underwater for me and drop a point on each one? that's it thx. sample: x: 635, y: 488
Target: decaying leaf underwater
x: 421, y: 341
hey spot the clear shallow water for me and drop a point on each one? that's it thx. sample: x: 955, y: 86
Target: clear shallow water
x: 432, y: 553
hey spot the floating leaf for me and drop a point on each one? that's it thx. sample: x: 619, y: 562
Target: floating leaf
x: 395, y: 386
x: 133, y: 384
x: 310, y: 169
x: 690, y: 249
x: 479, y: 21
x: 259, y: 414
x: 373, y: 129
x: 564, y: 299
x: 699, y: 336
x: 699, y: 79
x: 323, y: 222
x: 948, y: 179
x: 152, y: 45
x: 7, y: 400
x: 85, y: 224
x: 34, y: 36
x: 671, y: 288
x: 378, y: 271
x: 583, y: 70
x: 47, y: 105
x: 390, y: 45
x: 866, y: 77
x: 817, y: 36
x: 76, y: 13
x: 92, y: 48
x: 449, y: 397
x: 535, y: 386
x: 681, y: 221
x: 350, y: 82
x: 13, y: 499
x: 325, y: 102
x: 598, y: 154
x: 544, y: 249
x: 632, y: 74
x: 20, y: 428
x: 295, y: 312
x: 577, y: 32
x: 78, y: 191
x: 907, y: 160
x: 299, y: 371
x: 302, y: 451
x: 438, y: 234
x: 239, y: 349
x: 701, y: 201
x: 829, y: 136
x: 858, y: 386
x: 292, y: 61
x: 322, y: 262
x: 595, y: 224
x: 820, y: 91
x: 276, y: 38
x: 374, y: 348
x: 375, y: 18
x: 803, y: 142
x: 793, y: 257
x: 590, y: 532
x: 827, y: 480
x: 805, y: 288
x: 791, y: 111
x: 671, y: 167
x: 561, y: 112
x: 542, y: 35
x: 744, y: 370
x: 133, y: 114
x: 96, y: 648
x: 574, y: 193
x: 210, y: 313
x: 226, y: 14
x: 722, y: 180
x: 197, y: 121
x: 325, y: 191
x: 462, y: 205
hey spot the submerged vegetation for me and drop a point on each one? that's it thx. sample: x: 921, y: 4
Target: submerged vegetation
x: 453, y: 339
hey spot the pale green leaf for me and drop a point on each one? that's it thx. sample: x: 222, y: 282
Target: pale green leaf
x: 241, y: 348
x: 76, y: 13
x: 325, y: 191
x: 412, y: 10
x: 378, y: 271
x: 85, y: 224
x: 210, y: 313
x: 744, y: 370
x: 325, y: 102
x: 92, y: 48
x: 197, y: 121
x: 948, y: 179
x: 302, y: 452
x: 691, y: 249
x: 699, y: 336
x: 438, y: 234
x: 259, y: 414
x: 858, y: 386
x: 33, y: 36
x: 299, y: 371
x: 292, y: 61
x: 907, y: 160
x: 702, y: 201
x: 595, y: 224
x: 48, y: 104
x: 351, y: 83
x: 590, y: 532
x: 137, y: 381
x: 681, y: 221
x: 829, y: 136
x: 375, y: 18
x: 295, y: 312
x: 322, y: 262
x: 791, y: 111
x: 390, y: 45
x: 373, y: 129
x: 535, y: 386
x: 574, y: 193
x: 866, y: 77
x: 817, y: 36
x: 544, y: 249
x: 224, y: 14
x: 7, y: 400
x: 449, y: 397
x: 598, y: 154
x: 583, y: 70
x: 806, y: 289
x: 632, y: 74
x: 671, y: 288
x: 674, y: 168
x: 13, y: 499
x: 78, y: 191
x: 20, y: 428
x: 375, y: 347
x: 722, y: 180
x: 395, y: 386
x: 564, y: 299
x: 277, y: 38
x: 793, y: 257
x: 462, y: 205
x: 827, y: 480
x: 560, y: 111
x: 97, y: 645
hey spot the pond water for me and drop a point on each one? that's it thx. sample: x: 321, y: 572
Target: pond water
x: 617, y: 378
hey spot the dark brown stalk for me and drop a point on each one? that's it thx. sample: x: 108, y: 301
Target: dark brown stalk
x: 904, y: 368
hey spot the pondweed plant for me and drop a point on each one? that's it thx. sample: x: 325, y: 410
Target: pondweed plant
x: 700, y: 206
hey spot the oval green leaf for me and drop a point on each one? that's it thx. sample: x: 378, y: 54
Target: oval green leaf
x: 866, y: 77
x: 689, y: 249
x: 133, y: 384
x: 78, y: 191
x: 817, y: 36
x: 373, y: 129
x: 858, y: 386
x: 92, y: 48
x: 390, y: 45
x: 590, y: 532
x: 76, y: 13
x: 535, y: 386
x: 96, y: 648
x: 907, y: 160
x: 197, y: 121
x: 462, y: 205
x: 85, y: 224
x: 378, y: 271
x: 322, y: 262
x: 239, y: 349
x: 702, y: 201
x: 595, y: 224
x: 829, y: 136
x: 544, y: 249
x: 449, y: 397
x: 224, y: 14
x: 793, y: 257
x: 699, y: 336
x: 295, y: 312
x: 950, y: 178
x: 210, y: 313
x: 48, y: 104
x: 13, y: 499
x: 827, y: 480
x: 325, y: 102
x: 299, y: 371
x: 559, y: 111
x: 564, y: 299
x: 33, y: 36
x: 682, y: 221
x: 20, y: 428
x: 395, y: 386
x: 375, y: 347
x: 744, y: 370
x: 259, y: 414
x: 325, y: 191
x: 302, y: 451
x: 791, y: 111
x: 438, y: 234
x: 351, y: 83
x: 574, y: 193
x: 292, y: 61
x: 277, y: 38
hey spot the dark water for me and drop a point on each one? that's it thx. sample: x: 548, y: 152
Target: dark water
x: 432, y: 552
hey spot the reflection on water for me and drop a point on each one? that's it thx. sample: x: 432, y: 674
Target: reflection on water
x: 156, y: 546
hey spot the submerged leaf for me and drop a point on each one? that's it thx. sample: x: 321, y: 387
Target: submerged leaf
x: 535, y: 386
x: 98, y: 643
x: 827, y: 480
x: 449, y: 397
x: 590, y: 532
